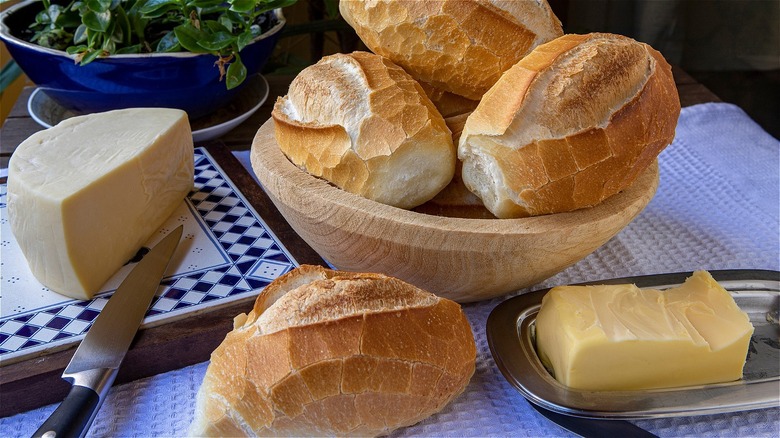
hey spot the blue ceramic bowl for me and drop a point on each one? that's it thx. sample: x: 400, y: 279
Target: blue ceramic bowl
x: 177, y: 80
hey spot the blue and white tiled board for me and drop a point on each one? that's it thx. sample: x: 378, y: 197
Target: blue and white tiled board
x: 227, y: 253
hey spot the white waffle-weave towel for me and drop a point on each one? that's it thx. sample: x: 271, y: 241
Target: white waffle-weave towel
x: 717, y: 207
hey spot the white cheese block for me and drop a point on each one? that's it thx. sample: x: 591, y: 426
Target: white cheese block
x: 625, y: 338
x: 84, y: 195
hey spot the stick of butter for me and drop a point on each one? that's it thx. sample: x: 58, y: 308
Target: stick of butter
x: 84, y: 195
x: 625, y: 338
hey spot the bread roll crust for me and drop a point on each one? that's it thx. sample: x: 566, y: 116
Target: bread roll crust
x: 449, y: 104
x: 573, y: 123
x: 456, y: 200
x: 362, y: 123
x: 334, y: 353
x: 461, y: 46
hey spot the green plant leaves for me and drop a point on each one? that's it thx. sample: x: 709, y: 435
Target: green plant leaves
x: 93, y: 28
x: 212, y: 37
x: 236, y: 74
x: 80, y: 35
x: 189, y: 36
x: 53, y: 38
x: 67, y: 19
x: 267, y: 5
x: 242, y: 5
x: 97, y: 21
x: 72, y: 50
x: 53, y: 13
x: 157, y: 8
x: 205, y: 3
x: 226, y: 22
x: 98, y: 5
x: 123, y: 31
x: 244, y: 39
x: 136, y: 48
x: 138, y: 21
x: 216, y: 41
x: 169, y: 43
x: 90, y: 56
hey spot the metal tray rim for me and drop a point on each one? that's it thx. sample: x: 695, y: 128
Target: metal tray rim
x: 509, y: 341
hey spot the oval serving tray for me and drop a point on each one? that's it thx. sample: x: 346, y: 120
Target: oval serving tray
x: 510, y: 335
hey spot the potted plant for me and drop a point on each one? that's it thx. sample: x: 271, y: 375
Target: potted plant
x: 96, y: 55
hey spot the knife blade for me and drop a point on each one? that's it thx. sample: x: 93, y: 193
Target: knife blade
x: 594, y: 428
x: 95, y: 363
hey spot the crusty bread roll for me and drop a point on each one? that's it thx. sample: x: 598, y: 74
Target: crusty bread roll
x: 329, y: 353
x: 456, y: 200
x: 461, y: 46
x: 449, y: 104
x: 362, y: 123
x: 571, y: 124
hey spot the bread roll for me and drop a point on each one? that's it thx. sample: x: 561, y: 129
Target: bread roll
x: 571, y: 124
x: 448, y: 104
x: 362, y: 123
x: 461, y: 46
x: 456, y: 200
x: 329, y: 353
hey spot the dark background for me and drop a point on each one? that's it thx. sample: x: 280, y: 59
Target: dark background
x: 730, y: 46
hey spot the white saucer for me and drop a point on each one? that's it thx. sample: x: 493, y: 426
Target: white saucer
x: 47, y: 112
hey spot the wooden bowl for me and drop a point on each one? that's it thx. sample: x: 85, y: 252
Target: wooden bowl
x: 457, y: 258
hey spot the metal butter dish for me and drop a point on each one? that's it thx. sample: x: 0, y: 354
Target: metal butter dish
x: 510, y: 334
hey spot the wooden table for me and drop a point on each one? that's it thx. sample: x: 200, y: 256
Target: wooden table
x: 36, y: 382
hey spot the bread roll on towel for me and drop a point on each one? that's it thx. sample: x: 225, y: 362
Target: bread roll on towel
x: 461, y: 46
x: 362, y: 123
x: 571, y: 124
x: 330, y: 353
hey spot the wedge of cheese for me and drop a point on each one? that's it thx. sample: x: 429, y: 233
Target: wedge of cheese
x: 625, y: 338
x: 86, y: 194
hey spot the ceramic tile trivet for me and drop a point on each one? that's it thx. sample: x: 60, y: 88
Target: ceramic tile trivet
x: 227, y: 252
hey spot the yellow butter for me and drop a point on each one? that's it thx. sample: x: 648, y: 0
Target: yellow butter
x: 625, y: 338
x: 84, y: 195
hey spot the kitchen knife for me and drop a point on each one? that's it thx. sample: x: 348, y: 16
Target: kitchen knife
x: 594, y: 428
x: 96, y: 361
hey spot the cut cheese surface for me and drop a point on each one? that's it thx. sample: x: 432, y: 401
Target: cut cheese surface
x: 84, y: 195
x: 620, y: 337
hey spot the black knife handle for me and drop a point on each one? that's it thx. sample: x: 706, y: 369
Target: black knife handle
x: 73, y: 416
x: 593, y: 427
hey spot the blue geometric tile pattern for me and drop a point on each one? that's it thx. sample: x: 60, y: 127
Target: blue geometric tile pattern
x: 251, y: 257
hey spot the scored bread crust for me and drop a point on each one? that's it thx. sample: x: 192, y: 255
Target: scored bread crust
x: 571, y: 124
x: 326, y: 353
x: 362, y: 123
x: 461, y: 46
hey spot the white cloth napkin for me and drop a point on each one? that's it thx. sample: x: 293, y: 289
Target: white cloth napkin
x: 717, y: 207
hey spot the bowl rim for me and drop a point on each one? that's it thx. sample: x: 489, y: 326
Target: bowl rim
x: 6, y: 36
x: 647, y: 181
